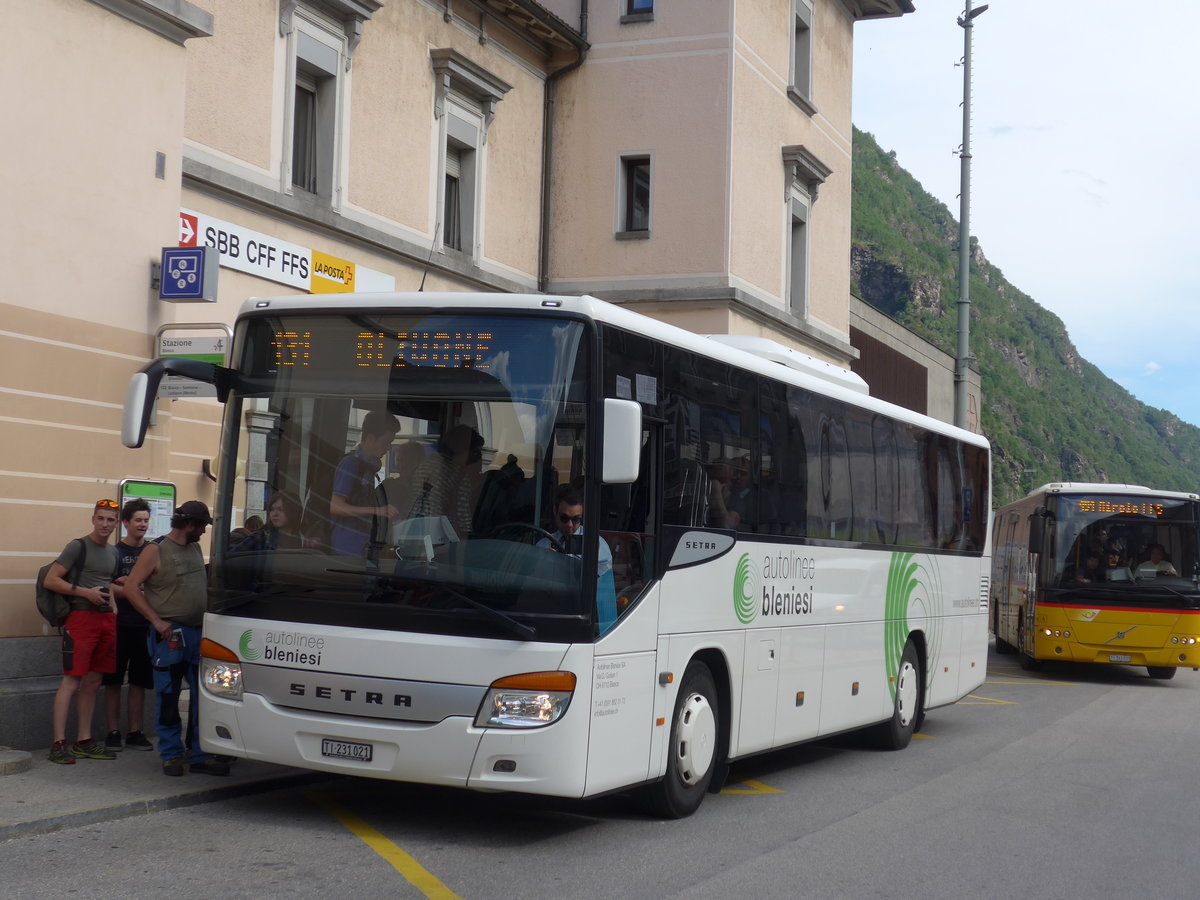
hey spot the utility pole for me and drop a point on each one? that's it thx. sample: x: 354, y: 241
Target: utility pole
x: 963, y: 359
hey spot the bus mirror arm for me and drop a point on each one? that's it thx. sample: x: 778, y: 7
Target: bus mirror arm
x: 142, y: 393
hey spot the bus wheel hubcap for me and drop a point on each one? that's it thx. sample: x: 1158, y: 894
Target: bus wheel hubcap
x: 906, y: 693
x: 696, y: 739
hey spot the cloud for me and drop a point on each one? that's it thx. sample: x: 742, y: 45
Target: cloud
x: 1151, y: 368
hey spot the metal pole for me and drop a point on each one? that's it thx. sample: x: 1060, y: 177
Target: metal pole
x: 963, y: 359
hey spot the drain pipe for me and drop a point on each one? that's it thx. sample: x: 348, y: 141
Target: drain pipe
x: 547, y: 147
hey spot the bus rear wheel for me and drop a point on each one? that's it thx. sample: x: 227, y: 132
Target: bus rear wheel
x: 695, y: 728
x: 1028, y: 663
x: 907, y: 708
x: 1163, y: 673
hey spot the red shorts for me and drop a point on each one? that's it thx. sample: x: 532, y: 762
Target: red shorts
x: 89, y: 643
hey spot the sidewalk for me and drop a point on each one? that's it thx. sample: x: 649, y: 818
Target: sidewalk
x: 49, y: 797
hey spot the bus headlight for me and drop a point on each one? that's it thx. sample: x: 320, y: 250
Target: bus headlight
x: 526, y: 701
x: 222, y: 679
x: 220, y: 670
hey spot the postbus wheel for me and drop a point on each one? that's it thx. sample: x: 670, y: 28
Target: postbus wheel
x: 695, y: 729
x: 907, y: 710
x: 1163, y: 673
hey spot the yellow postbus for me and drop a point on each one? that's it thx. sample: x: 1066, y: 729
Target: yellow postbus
x: 1098, y: 573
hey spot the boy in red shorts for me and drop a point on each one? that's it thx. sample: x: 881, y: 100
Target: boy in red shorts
x: 89, y: 634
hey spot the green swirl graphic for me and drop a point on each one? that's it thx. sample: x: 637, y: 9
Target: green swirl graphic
x: 914, y: 588
x: 745, y: 589
x: 245, y: 649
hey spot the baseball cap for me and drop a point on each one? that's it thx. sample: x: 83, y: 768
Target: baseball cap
x: 194, y: 510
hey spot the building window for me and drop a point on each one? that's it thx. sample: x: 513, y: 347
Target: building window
x: 797, y: 268
x: 638, y: 11
x: 465, y: 104
x: 318, y: 57
x: 304, y: 135
x: 800, y: 83
x: 633, y: 213
x: 805, y: 175
x: 321, y: 38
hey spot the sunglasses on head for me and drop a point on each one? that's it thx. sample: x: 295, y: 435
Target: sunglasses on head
x: 575, y: 520
x: 107, y: 504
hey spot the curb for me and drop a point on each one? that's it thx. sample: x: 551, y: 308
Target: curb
x: 158, y: 804
x: 13, y: 762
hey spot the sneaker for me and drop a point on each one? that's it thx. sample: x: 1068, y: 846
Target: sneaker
x: 210, y: 766
x: 135, y: 740
x: 112, y: 742
x: 59, y: 753
x: 90, y: 749
x: 173, y: 767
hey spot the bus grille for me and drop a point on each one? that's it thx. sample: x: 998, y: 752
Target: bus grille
x: 984, y: 585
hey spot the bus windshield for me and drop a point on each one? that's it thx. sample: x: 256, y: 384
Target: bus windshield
x: 1125, y: 542
x: 410, y: 468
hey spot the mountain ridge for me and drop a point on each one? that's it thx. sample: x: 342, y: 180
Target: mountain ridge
x: 904, y: 262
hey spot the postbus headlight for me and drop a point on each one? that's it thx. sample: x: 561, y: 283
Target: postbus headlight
x: 526, y: 701
x: 220, y: 670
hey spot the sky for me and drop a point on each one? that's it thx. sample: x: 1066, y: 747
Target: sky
x: 1085, y: 145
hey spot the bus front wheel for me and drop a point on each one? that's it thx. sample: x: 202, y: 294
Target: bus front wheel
x: 695, y: 728
x: 1163, y: 673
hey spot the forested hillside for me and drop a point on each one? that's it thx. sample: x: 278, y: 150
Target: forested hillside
x: 1044, y: 407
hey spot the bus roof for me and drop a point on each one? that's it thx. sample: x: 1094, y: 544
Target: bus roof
x: 762, y: 356
x: 1096, y: 487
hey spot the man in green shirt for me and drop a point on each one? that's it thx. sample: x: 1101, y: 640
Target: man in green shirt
x: 89, y: 641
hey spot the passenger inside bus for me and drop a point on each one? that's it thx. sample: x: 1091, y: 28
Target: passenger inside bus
x: 447, y: 483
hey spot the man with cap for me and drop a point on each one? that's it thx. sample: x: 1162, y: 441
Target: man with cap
x: 169, y: 587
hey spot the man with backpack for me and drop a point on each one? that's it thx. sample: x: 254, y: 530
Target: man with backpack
x: 83, y: 574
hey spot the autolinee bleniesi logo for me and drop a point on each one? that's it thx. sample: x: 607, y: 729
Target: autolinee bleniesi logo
x: 745, y: 589
x: 246, y: 650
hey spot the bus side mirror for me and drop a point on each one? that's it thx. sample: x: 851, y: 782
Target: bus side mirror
x: 622, y: 441
x: 142, y: 393
x: 1037, y: 530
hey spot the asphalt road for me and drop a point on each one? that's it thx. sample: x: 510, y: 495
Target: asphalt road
x: 1070, y: 782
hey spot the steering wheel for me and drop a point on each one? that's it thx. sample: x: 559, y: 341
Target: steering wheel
x: 555, y: 544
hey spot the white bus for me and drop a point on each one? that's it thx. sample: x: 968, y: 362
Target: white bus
x: 767, y: 554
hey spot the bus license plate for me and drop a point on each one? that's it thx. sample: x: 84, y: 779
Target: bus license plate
x: 1119, y: 657
x: 346, y: 750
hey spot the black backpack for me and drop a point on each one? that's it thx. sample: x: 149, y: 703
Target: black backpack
x: 53, y: 606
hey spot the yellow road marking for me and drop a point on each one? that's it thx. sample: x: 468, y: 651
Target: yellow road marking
x: 416, y: 874
x: 752, y: 787
x: 918, y: 734
x: 986, y: 701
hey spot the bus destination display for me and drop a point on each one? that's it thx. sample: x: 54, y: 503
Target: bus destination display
x: 372, y: 349
x: 1126, y: 506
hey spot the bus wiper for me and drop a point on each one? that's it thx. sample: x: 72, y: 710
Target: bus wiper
x: 520, y: 629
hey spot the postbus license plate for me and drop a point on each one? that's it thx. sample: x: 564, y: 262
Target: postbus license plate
x: 1119, y: 657
x: 346, y: 750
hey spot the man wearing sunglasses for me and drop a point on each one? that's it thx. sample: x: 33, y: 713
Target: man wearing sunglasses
x: 568, y: 538
x: 89, y: 640
x: 568, y: 534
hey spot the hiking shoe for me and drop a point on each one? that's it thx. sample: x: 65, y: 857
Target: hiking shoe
x: 135, y: 740
x: 112, y: 742
x: 210, y: 766
x: 60, y: 754
x: 173, y: 767
x: 90, y: 749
